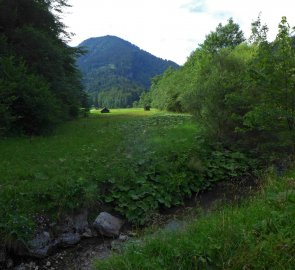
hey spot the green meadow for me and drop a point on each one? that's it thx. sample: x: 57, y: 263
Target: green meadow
x: 136, y: 162
x: 129, y: 159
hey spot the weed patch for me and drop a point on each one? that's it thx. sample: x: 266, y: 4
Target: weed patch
x: 256, y: 235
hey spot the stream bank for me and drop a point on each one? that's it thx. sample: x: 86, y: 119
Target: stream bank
x: 82, y: 255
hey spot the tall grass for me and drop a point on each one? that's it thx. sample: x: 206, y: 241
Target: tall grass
x: 260, y: 234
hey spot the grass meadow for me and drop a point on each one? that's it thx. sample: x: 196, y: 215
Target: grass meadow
x: 88, y: 162
x: 136, y: 162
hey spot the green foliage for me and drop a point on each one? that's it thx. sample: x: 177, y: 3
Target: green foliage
x: 211, y: 101
x: 89, y: 161
x: 144, y: 100
x: 26, y: 102
x: 259, y: 32
x: 119, y: 97
x: 156, y: 173
x: 35, y: 37
x: 271, y: 115
x: 134, y: 160
x: 165, y: 160
x: 224, y: 36
x: 220, y: 164
x: 241, y: 94
x: 168, y: 90
x: 255, y: 235
x: 165, y: 92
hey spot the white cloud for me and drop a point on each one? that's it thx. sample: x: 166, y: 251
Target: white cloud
x: 195, y: 6
x: 170, y: 29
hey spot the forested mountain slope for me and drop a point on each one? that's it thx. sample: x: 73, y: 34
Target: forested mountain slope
x: 116, y: 72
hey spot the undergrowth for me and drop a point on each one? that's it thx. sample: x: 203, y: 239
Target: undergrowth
x: 135, y: 161
x: 259, y: 234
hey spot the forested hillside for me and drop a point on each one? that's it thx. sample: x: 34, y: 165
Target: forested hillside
x: 116, y: 72
x: 39, y: 83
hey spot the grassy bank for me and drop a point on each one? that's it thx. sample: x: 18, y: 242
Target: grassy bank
x: 124, y: 158
x: 260, y: 234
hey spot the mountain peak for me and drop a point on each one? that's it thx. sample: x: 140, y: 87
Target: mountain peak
x: 114, y: 63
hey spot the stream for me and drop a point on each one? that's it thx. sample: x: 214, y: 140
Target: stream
x: 84, y: 254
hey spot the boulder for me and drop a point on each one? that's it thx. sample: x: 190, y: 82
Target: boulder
x: 69, y: 239
x: 108, y: 225
x: 41, y: 245
x: 88, y: 234
x: 45, y: 243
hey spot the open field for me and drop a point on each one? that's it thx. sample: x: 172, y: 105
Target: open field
x: 137, y: 162
x: 124, y: 158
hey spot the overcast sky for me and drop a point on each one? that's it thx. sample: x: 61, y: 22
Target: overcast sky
x: 170, y: 29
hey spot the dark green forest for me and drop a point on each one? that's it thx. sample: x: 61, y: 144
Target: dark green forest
x: 242, y: 92
x: 39, y: 82
x: 116, y: 72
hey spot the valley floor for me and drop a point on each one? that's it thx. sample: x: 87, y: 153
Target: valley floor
x: 136, y: 163
x: 123, y: 159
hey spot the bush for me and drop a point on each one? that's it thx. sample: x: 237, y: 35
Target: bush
x: 26, y: 103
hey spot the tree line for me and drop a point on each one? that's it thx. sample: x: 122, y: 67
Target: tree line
x: 241, y: 92
x: 39, y: 82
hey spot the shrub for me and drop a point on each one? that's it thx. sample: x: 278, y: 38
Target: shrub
x: 26, y: 102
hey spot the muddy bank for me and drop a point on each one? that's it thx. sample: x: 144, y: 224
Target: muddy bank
x: 78, y: 257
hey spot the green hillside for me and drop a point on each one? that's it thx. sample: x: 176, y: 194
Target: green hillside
x: 116, y: 72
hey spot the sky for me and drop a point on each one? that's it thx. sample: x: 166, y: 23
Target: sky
x: 170, y: 29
